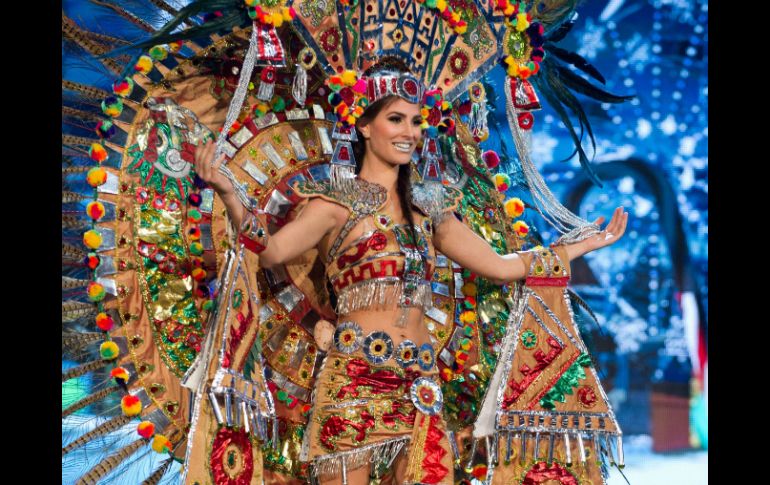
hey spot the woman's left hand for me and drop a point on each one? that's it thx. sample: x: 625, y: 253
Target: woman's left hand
x: 611, y: 233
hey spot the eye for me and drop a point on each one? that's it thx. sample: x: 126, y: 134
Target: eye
x: 395, y: 119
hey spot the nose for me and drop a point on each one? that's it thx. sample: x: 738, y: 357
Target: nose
x: 413, y: 132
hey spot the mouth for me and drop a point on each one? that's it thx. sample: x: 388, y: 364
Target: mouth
x: 403, y: 147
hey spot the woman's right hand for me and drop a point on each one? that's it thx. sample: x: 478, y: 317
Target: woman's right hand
x: 209, y: 172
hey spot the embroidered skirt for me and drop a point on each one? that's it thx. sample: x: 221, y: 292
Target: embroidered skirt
x: 370, y: 402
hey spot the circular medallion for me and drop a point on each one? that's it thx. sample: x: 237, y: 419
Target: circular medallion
x: 383, y: 221
x: 528, y: 339
x: 458, y: 63
x: 406, y: 353
x: 347, y: 337
x: 330, y: 40
x: 231, y: 458
x: 426, y: 396
x: 378, y: 347
x: 426, y: 358
x: 409, y: 88
x: 587, y: 396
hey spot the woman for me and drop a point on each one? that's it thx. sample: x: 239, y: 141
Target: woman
x: 378, y: 391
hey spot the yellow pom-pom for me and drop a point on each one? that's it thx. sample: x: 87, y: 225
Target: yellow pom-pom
x: 468, y: 316
x: 109, y: 350
x: 469, y: 289
x: 92, y: 239
x: 514, y: 207
x: 455, y: 16
x: 276, y: 19
x: 502, y: 182
x: 521, y: 228
x: 131, y: 405
x: 288, y: 14
x: 508, y: 10
x: 351, y: 120
x: 96, y: 176
x: 441, y: 5
x: 161, y: 444
x: 522, y: 23
x: 349, y: 77
x: 144, y: 64
x: 461, y: 29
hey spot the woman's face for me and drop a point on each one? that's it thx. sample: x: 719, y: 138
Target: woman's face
x: 393, y: 134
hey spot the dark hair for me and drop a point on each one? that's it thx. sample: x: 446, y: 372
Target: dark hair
x: 404, y: 184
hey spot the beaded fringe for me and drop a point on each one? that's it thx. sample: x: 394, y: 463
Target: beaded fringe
x: 379, y: 294
x: 338, y: 463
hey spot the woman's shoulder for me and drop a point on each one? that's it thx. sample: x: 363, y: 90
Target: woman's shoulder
x: 435, y: 200
x: 365, y: 198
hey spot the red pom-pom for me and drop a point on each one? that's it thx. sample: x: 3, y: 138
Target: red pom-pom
x: 491, y: 158
x: 146, y: 429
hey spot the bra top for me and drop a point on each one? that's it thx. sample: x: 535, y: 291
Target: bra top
x: 384, y: 266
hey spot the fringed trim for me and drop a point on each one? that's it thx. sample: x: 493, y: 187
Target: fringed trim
x: 435, y: 200
x: 338, y: 463
x: 380, y: 294
x: 608, y: 446
x: 342, y: 180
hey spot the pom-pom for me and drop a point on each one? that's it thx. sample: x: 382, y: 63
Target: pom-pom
x: 349, y: 77
x: 521, y: 228
x: 92, y: 239
x: 360, y: 86
x: 104, y: 322
x: 196, y: 248
x: 161, y: 444
x: 202, y: 291
x: 92, y: 261
x: 119, y: 373
x: 194, y: 233
x: 131, y: 405
x: 194, y: 215
x: 158, y: 53
x: 502, y: 182
x: 491, y: 158
x: 105, y: 128
x: 276, y: 19
x: 278, y: 104
x: 143, y: 64
x: 446, y: 374
x: 514, y: 207
x: 467, y: 317
x: 146, y: 429
x: 469, y: 289
x: 194, y: 200
x: 251, y: 3
x: 175, y: 46
x: 95, y: 210
x: 97, y: 153
x: 96, y: 291
x: 208, y: 305
x: 108, y: 350
x: 112, y: 106
x: 198, y: 274
x: 480, y: 472
x: 96, y: 176
x: 123, y: 87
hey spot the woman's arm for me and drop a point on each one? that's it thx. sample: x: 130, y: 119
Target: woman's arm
x: 460, y: 244
x: 303, y: 233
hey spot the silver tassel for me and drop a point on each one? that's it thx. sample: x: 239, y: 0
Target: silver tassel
x: 567, y: 449
x: 344, y: 472
x: 523, y: 454
x: 453, y: 445
x: 477, y: 122
x: 469, y: 466
x: 621, y: 457
x: 228, y: 408
x: 245, y: 415
x: 508, y: 449
x: 215, y: 407
x: 275, y: 433
x: 266, y: 87
x: 551, y: 438
x: 299, y: 86
x: 537, y: 446
x: 572, y: 227
x: 582, y: 448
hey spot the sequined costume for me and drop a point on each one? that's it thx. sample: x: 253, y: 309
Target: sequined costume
x: 374, y: 396
x: 156, y: 285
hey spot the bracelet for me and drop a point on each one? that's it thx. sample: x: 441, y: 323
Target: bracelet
x: 253, y: 233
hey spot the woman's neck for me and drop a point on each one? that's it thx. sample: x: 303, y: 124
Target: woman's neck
x: 382, y: 173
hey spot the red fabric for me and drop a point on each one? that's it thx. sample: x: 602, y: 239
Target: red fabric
x: 378, y: 382
x: 434, y: 452
x: 540, y: 281
x: 543, y: 361
x: 541, y: 472
x: 223, y: 440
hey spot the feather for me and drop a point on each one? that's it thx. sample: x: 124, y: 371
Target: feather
x: 88, y: 400
x: 106, y: 427
x: 72, y: 253
x: 82, y: 369
x: 561, y: 32
x: 70, y: 170
x: 158, y: 474
x: 84, y: 89
x: 126, y: 15
x: 580, y: 85
x: 551, y: 13
x: 73, y: 341
x: 108, y: 464
x: 75, y: 34
x: 70, y: 283
x: 581, y: 303
x: 73, y: 310
x: 74, y: 222
x: 80, y: 114
x: 574, y: 59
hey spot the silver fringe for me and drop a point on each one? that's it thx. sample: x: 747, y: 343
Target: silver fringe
x: 342, y: 178
x: 379, y: 293
x: 429, y: 197
x: 340, y: 462
x: 572, y: 227
x: 299, y: 86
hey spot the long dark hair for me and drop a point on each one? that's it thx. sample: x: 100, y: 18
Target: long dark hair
x: 403, y: 184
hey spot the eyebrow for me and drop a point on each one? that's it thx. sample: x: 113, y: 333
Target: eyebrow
x: 402, y: 114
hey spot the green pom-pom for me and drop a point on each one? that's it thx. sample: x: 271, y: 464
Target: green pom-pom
x: 196, y: 248
x: 430, y: 3
x: 278, y: 104
x: 208, y: 305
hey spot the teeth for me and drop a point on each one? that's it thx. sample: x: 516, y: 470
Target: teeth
x: 403, y: 147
